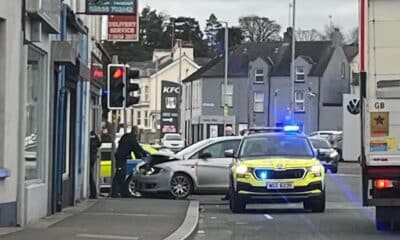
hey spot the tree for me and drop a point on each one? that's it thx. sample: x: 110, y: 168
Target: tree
x: 259, y: 29
x: 188, y: 29
x: 309, y: 35
x: 235, y: 37
x: 152, y: 34
x: 330, y: 30
x: 211, y: 30
x: 353, y: 35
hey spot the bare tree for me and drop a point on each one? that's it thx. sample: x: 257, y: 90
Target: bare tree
x: 259, y: 29
x: 353, y: 35
x: 329, y: 30
x: 309, y: 35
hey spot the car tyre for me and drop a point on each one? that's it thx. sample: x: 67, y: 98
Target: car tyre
x: 334, y: 169
x: 181, y: 186
x: 236, y: 204
x: 316, y: 204
x: 131, y: 184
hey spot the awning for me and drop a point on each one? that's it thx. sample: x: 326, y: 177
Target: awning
x: 63, y: 53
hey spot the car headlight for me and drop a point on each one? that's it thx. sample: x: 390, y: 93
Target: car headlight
x: 316, y: 171
x: 333, y: 154
x: 241, y: 169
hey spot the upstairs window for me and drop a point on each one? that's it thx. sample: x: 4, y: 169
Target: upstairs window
x: 299, y: 101
x: 259, y: 102
x: 259, y: 75
x: 300, y: 74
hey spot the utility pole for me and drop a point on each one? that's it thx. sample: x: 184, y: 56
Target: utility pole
x: 293, y: 67
x: 180, y: 84
x: 226, y: 112
x: 156, y: 90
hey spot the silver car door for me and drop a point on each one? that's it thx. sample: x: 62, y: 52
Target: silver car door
x: 213, y: 171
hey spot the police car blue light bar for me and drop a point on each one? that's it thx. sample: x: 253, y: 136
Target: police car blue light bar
x: 291, y: 128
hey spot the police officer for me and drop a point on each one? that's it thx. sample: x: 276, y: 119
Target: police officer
x: 94, y: 146
x: 127, y: 144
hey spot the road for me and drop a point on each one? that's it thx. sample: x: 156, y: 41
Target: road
x: 343, y: 219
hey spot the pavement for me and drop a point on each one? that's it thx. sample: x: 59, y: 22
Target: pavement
x: 117, y: 219
x: 344, y: 218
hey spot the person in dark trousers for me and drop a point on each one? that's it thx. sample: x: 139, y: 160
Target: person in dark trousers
x: 127, y: 144
x: 94, y: 146
x: 228, y: 132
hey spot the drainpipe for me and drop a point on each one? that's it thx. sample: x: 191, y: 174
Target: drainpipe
x: 319, y: 104
x: 60, y: 124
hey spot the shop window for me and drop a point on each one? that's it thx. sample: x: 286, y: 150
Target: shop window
x: 34, y: 117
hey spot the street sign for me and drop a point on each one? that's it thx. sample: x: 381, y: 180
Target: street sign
x: 111, y: 7
x: 123, y: 28
x: 170, y: 107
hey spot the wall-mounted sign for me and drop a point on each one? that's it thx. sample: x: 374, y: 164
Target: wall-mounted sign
x: 123, y: 28
x: 170, y: 107
x: 111, y: 7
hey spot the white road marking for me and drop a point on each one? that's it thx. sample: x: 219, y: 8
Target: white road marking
x: 269, y: 217
x: 213, y: 217
x: 101, y: 236
x: 201, y: 232
x: 345, y: 175
x: 124, y: 214
x: 241, y: 223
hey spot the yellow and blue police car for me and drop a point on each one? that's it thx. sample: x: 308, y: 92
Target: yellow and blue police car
x: 279, y: 167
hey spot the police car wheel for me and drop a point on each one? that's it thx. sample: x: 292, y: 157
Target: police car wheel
x: 316, y: 204
x: 236, y: 204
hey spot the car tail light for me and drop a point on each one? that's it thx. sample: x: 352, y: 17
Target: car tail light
x: 383, y: 183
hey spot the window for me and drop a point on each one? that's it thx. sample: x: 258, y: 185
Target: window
x: 138, y: 118
x: 258, y: 102
x: 300, y: 74
x: 343, y: 70
x: 299, y: 101
x: 218, y: 150
x: 146, y: 118
x: 146, y: 93
x: 229, y: 95
x: 34, y: 115
x: 259, y: 75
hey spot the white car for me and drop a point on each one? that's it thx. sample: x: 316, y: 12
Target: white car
x: 325, y: 134
x: 173, y: 141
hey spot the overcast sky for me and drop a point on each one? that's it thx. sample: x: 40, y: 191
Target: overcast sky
x: 310, y: 13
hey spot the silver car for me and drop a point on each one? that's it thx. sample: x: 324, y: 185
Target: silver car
x: 201, y: 167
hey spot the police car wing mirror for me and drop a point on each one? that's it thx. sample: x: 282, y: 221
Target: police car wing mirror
x: 229, y: 153
x: 205, y: 155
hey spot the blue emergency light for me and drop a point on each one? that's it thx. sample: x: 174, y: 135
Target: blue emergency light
x: 291, y: 128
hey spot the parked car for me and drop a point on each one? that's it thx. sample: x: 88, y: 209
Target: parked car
x: 201, y: 167
x: 335, y: 138
x: 173, y: 141
x: 328, y: 156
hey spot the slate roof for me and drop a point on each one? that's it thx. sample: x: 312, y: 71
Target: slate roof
x: 317, y: 53
x: 351, y: 51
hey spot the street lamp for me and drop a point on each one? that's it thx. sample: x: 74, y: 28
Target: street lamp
x: 226, y: 69
x: 293, y: 67
x: 312, y: 95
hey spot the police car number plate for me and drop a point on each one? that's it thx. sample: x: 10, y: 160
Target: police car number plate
x: 280, y: 185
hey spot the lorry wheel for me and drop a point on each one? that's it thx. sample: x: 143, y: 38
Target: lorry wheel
x: 236, y: 204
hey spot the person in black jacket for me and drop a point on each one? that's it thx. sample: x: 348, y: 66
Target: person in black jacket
x: 94, y: 146
x: 127, y: 144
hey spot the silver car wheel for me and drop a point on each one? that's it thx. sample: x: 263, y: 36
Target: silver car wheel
x: 181, y: 186
x: 132, y: 188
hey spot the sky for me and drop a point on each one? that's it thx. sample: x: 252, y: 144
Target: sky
x: 309, y: 13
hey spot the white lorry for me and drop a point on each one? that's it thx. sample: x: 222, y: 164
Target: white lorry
x: 380, y: 115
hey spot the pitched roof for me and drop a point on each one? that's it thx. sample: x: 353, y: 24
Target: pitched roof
x: 317, y: 53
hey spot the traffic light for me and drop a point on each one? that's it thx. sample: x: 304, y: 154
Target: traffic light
x: 116, y: 86
x: 131, y: 88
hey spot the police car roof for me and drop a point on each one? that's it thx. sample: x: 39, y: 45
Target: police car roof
x: 295, y: 133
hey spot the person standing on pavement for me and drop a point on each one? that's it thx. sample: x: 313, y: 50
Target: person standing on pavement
x: 228, y: 132
x: 94, y: 146
x: 127, y: 144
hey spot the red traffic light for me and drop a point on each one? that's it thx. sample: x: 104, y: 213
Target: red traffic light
x: 118, y: 73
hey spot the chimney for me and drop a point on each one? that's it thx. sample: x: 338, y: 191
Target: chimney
x: 287, y: 36
x: 337, y: 38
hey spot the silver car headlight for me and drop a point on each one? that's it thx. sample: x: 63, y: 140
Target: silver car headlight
x: 153, y: 171
x: 333, y: 154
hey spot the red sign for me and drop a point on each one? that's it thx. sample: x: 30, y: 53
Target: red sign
x: 123, y: 28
